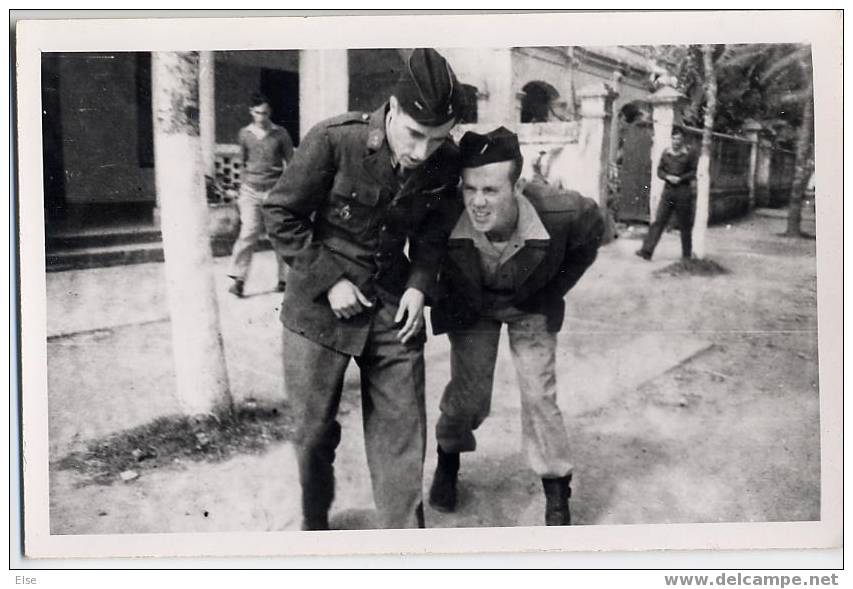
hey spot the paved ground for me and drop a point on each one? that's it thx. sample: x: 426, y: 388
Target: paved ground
x: 687, y: 399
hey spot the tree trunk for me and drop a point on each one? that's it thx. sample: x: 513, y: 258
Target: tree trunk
x: 201, y: 376
x: 703, y: 170
x: 801, y: 162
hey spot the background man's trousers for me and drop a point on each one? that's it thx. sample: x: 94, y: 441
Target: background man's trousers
x: 683, y: 203
x: 251, y: 228
x: 393, y: 411
x: 467, y: 398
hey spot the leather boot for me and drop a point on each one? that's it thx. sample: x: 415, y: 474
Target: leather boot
x: 557, y: 493
x: 318, y: 492
x: 315, y: 509
x: 442, y: 493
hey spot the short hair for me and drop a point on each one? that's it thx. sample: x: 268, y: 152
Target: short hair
x: 677, y: 131
x: 515, y: 170
x: 257, y: 99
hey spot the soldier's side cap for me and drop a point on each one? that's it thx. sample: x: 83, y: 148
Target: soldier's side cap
x: 500, y: 145
x: 428, y: 90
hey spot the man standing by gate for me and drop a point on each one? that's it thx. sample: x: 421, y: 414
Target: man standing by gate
x: 677, y: 168
x: 360, y: 187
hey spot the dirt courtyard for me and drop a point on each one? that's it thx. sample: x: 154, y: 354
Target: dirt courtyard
x: 687, y: 399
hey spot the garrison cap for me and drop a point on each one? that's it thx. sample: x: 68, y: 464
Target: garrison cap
x: 500, y: 145
x: 428, y: 90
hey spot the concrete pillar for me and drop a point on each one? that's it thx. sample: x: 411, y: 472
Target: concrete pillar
x: 497, y: 106
x: 751, y: 129
x: 663, y: 114
x: 323, y: 86
x: 594, y: 140
x: 762, y: 172
x: 200, y: 373
x: 207, y: 112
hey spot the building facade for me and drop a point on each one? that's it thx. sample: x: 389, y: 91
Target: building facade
x: 98, y: 132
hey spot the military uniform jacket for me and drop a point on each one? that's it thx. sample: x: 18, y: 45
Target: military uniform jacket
x: 548, y: 267
x: 341, y: 211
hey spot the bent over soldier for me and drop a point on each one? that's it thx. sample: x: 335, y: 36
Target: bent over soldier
x: 359, y: 188
x: 512, y: 257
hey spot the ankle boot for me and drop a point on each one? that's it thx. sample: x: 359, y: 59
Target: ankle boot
x: 315, y: 522
x: 557, y: 493
x: 442, y: 493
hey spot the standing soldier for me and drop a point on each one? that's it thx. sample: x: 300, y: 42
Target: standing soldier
x: 511, y: 259
x: 266, y: 148
x: 360, y: 187
x: 677, y: 168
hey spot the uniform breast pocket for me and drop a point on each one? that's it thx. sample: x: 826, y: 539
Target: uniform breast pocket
x: 424, y: 201
x: 352, y: 205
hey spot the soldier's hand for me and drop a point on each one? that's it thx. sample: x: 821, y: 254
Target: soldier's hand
x: 412, y: 308
x: 346, y: 299
x: 673, y: 179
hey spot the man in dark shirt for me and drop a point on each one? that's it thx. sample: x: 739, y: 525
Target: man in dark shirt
x: 360, y: 188
x: 677, y: 168
x: 266, y: 148
x: 512, y: 257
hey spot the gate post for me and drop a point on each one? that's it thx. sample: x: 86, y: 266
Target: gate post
x: 751, y: 129
x: 594, y: 140
x: 663, y: 114
x: 762, y: 173
x: 323, y: 85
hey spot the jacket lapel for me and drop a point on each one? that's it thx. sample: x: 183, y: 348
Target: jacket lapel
x: 464, y: 256
x: 377, y: 155
x: 378, y: 166
x: 527, y: 260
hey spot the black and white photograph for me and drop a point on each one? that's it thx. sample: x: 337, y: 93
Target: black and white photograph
x: 558, y: 285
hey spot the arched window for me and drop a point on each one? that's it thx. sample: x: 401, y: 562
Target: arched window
x: 538, y: 102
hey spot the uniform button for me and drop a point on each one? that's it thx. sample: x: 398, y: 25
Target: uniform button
x: 365, y: 116
x: 384, y: 228
x: 354, y: 194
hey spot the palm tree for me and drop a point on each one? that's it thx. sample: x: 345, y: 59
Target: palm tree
x: 783, y: 74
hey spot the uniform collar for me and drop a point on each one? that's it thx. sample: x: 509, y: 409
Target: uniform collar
x: 684, y: 150
x: 529, y: 226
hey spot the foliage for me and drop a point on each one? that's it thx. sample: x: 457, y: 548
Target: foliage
x: 767, y: 82
x: 170, y: 440
x: 692, y: 267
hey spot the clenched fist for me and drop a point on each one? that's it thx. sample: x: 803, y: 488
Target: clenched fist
x: 346, y: 300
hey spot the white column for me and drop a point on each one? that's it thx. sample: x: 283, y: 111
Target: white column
x: 201, y: 376
x: 499, y: 108
x: 762, y: 172
x: 663, y: 102
x: 594, y: 140
x: 323, y: 86
x: 751, y: 130
x: 207, y: 111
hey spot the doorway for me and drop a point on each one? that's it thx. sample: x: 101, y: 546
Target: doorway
x: 282, y: 89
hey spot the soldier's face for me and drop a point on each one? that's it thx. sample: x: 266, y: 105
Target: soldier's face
x: 261, y: 114
x: 411, y: 142
x: 677, y: 142
x: 489, y: 195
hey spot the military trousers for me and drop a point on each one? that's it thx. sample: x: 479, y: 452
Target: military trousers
x: 251, y: 229
x: 393, y: 415
x: 683, y: 204
x: 467, y: 398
